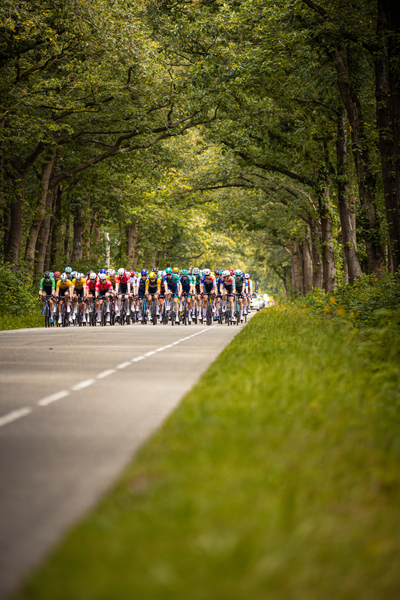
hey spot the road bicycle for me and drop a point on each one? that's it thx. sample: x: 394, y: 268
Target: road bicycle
x: 185, y: 310
x: 143, y: 311
x: 209, y: 313
x: 46, y: 311
x: 165, y: 313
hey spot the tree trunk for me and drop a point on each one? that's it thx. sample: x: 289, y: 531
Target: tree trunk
x: 387, y: 92
x: 67, y: 233
x: 307, y: 265
x: 77, y: 243
x: 315, y: 230
x: 43, y: 236
x: 365, y: 172
x: 6, y: 225
x: 41, y: 210
x: 295, y: 267
x: 345, y: 203
x: 55, y: 255
x: 17, y: 215
x: 132, y: 234
x: 328, y: 261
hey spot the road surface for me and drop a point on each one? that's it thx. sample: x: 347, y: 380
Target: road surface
x: 75, y: 404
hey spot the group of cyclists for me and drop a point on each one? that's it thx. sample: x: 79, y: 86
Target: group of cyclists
x: 127, y: 296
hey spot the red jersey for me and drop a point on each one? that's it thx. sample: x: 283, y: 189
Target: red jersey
x: 125, y: 279
x: 104, y: 286
x: 91, y: 284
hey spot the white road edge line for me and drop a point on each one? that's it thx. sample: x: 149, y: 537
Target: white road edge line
x: 83, y: 384
x: 106, y: 373
x: 14, y: 415
x: 53, y: 398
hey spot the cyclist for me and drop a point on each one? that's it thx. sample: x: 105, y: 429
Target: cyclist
x: 63, y: 291
x: 68, y: 272
x: 123, y: 286
x: 141, y: 290
x: 208, y: 288
x: 79, y: 291
x: 91, y: 285
x: 228, y: 289
x: 196, y: 279
x: 152, y: 290
x: 187, y: 289
x: 47, y: 287
x: 104, y: 291
x: 239, y: 289
x: 172, y: 287
x: 248, y: 290
x: 218, y: 280
x: 57, y: 276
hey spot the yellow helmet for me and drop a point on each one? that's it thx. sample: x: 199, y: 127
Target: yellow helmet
x: 152, y: 275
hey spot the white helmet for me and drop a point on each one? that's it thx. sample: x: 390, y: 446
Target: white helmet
x: 93, y: 275
x: 64, y: 277
x: 121, y: 272
x: 226, y: 274
x: 247, y: 276
x: 196, y: 271
x: 207, y: 272
x: 112, y: 272
x: 103, y: 276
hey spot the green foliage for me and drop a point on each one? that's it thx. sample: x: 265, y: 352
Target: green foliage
x: 17, y: 295
x: 22, y: 321
x: 278, y: 478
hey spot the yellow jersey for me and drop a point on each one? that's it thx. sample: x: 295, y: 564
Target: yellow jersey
x: 63, y: 285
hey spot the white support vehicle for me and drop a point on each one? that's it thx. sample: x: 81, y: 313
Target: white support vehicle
x: 257, y: 302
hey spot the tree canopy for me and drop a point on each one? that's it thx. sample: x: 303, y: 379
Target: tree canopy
x: 200, y: 132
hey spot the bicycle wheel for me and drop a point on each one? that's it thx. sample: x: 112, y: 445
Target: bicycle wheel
x: 209, y: 311
x: 47, y: 315
x: 153, y: 312
x: 103, y: 314
x: 94, y: 314
x: 172, y: 317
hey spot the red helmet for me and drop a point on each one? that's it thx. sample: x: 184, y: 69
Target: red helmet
x: 57, y: 274
x: 232, y: 272
x: 132, y: 273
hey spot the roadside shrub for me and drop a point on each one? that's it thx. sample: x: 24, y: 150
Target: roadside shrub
x: 16, y: 292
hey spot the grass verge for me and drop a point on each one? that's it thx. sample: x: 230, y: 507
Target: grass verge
x: 29, y: 319
x: 277, y: 477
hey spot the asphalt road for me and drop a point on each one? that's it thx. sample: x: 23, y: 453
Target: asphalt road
x: 75, y: 404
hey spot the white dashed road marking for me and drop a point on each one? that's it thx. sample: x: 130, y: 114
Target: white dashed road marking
x: 14, y: 415
x: 22, y: 412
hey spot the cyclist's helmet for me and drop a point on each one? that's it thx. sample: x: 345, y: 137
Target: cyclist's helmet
x: 51, y: 274
x: 111, y: 272
x: 247, y: 276
x: 155, y: 270
x: 64, y: 277
x: 102, y: 271
x: 143, y: 272
x: 121, y: 272
x: 226, y: 274
x: 216, y: 272
x: 232, y: 272
x: 207, y: 272
x: 103, y: 276
x: 189, y: 271
x: 184, y: 273
x: 68, y: 270
x: 46, y: 275
x: 168, y: 270
x: 175, y: 270
x: 57, y: 274
x: 238, y: 273
x: 132, y: 273
x: 196, y: 271
x: 152, y: 275
x: 93, y: 275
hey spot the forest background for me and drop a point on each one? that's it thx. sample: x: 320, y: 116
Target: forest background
x: 257, y: 134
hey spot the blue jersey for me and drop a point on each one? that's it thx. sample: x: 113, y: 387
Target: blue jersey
x: 186, y: 282
x: 142, y: 283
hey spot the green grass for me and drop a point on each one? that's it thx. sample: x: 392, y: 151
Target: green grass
x: 276, y: 478
x: 29, y: 319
